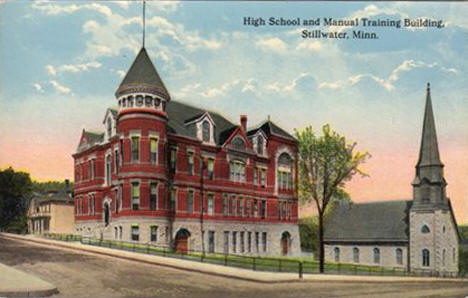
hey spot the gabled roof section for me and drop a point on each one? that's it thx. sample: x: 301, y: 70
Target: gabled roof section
x: 376, y: 221
x: 89, y: 139
x: 199, y: 118
x: 179, y: 114
x: 429, y: 151
x: 270, y: 128
x: 112, y: 111
x: 237, y: 131
x: 143, y: 74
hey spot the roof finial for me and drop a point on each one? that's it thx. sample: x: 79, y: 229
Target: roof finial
x: 144, y: 5
x: 428, y: 87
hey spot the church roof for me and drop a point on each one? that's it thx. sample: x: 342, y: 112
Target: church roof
x: 179, y: 114
x: 142, y: 73
x: 373, y: 222
x: 429, y: 151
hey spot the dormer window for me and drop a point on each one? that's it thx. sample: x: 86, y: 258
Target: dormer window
x: 206, y: 131
x: 109, y: 127
x: 139, y: 100
x: 260, y: 144
x: 148, y: 101
x: 238, y: 143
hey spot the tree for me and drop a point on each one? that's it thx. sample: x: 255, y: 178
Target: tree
x: 15, y: 190
x: 325, y: 164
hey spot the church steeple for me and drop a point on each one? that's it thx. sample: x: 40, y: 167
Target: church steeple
x: 429, y: 152
x: 429, y: 183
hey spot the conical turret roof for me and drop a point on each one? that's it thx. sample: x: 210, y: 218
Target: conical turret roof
x: 142, y: 77
x: 429, y: 151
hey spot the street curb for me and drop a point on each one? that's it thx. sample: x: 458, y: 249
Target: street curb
x: 38, y: 293
x: 319, y: 278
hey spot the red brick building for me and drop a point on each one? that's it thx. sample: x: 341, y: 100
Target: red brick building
x: 144, y: 178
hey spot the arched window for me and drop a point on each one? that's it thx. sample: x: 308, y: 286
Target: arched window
x: 139, y: 100
x: 108, y: 169
x: 425, y: 257
x: 336, y: 251
x: 238, y: 143
x: 109, y: 127
x: 425, y: 229
x: 148, y: 101
x: 284, y: 173
x: 106, y: 214
x: 206, y: 131
x: 376, y: 255
x: 356, y: 255
x: 157, y: 101
x: 260, y: 144
x: 399, y: 256
x: 130, y: 101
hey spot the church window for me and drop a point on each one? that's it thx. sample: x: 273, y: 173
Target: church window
x: 443, y: 229
x: 399, y: 256
x: 336, y: 251
x: 425, y: 257
x: 206, y: 129
x: 425, y: 194
x: 425, y: 229
x: 443, y: 257
x: 376, y: 255
x: 356, y: 255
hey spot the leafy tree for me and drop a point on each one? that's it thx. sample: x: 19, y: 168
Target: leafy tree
x: 325, y: 163
x: 15, y: 190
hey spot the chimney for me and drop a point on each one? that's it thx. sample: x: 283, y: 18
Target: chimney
x: 243, y: 121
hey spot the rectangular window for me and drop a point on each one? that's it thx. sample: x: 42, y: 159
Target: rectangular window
x: 91, y: 205
x: 135, y: 233
x: 210, y: 204
x: 226, y: 242
x: 241, y: 207
x: 211, y: 241
x: 135, y: 195
x: 116, y: 161
x: 257, y: 242
x: 154, y: 150
x: 210, y: 168
x: 116, y: 200
x: 172, y: 202
x: 153, y: 196
x: 264, y: 241
x: 135, y: 148
x: 255, y: 203
x: 190, y: 202
x: 263, y: 178
x: 225, y: 205
x: 255, y: 178
x: 190, y: 161
x: 249, y: 241
x: 233, y: 206
x: 154, y: 233
x: 173, y: 159
x: 234, y: 242
x: 92, y: 169
x: 237, y: 171
x: 263, y: 209
x: 242, y: 243
x: 248, y: 209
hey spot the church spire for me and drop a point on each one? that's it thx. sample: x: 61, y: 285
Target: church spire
x: 429, y: 151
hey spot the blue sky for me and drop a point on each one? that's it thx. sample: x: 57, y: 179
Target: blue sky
x: 62, y: 61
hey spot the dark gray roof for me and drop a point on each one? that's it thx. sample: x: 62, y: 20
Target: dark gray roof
x: 143, y: 74
x: 376, y: 221
x: 269, y: 128
x: 93, y: 137
x: 179, y: 113
x: 429, y: 151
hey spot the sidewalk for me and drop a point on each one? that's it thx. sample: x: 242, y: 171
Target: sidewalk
x: 219, y: 270
x: 15, y: 283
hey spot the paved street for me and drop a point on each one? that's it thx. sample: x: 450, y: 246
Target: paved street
x: 80, y: 274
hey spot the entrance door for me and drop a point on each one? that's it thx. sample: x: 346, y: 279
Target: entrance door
x: 285, y: 240
x: 181, y: 241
